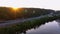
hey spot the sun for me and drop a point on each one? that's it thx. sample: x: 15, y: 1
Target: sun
x: 14, y: 8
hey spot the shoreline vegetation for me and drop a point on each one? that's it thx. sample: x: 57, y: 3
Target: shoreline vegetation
x: 23, y: 14
x: 23, y: 27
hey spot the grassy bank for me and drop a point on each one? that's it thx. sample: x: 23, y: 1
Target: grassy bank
x: 23, y: 27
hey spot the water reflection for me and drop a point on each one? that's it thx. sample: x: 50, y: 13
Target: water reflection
x: 47, y: 28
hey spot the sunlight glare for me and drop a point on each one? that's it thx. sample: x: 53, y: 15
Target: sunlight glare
x: 15, y: 8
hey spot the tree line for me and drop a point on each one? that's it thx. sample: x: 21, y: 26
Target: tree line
x: 8, y: 13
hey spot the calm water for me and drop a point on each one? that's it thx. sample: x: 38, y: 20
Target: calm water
x: 47, y: 28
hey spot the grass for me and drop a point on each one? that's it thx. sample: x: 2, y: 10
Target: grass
x: 23, y: 27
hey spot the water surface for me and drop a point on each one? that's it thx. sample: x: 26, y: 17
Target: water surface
x: 47, y: 28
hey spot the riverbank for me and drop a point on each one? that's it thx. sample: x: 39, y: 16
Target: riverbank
x: 26, y: 24
x: 17, y: 21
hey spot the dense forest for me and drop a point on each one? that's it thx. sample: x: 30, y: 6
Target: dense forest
x: 7, y: 13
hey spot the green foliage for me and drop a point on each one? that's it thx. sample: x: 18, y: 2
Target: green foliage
x: 26, y: 25
x: 8, y: 13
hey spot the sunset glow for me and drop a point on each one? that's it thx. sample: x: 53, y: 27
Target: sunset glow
x: 14, y: 8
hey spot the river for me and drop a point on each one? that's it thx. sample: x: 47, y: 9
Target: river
x: 47, y: 28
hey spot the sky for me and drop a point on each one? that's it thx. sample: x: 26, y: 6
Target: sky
x: 47, y: 4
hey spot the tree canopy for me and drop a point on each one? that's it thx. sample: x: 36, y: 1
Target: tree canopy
x: 9, y: 13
